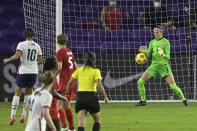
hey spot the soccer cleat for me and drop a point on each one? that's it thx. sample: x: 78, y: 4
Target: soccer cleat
x: 141, y: 103
x: 12, y: 120
x: 22, y: 119
x: 185, y: 103
x: 64, y: 129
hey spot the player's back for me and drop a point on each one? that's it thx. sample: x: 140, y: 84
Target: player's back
x: 43, y: 99
x: 28, y: 58
x: 67, y: 58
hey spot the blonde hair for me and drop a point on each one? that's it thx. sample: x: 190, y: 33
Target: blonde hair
x: 47, y: 79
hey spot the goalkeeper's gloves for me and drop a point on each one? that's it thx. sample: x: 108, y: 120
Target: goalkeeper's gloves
x: 143, y: 49
x: 160, y: 51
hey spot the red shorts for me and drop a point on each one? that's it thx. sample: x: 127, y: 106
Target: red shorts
x: 54, y: 113
x: 72, y: 92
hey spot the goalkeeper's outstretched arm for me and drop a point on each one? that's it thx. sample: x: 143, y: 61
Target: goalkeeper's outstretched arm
x: 167, y: 50
x: 149, y: 52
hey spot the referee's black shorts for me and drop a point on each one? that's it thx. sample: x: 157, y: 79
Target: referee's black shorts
x: 87, y: 101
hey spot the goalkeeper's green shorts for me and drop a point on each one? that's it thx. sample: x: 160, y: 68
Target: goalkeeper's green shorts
x: 159, y: 69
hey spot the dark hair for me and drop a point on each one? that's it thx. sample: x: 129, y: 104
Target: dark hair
x: 29, y: 33
x: 50, y: 64
x: 47, y: 79
x: 90, y: 59
x: 62, y: 39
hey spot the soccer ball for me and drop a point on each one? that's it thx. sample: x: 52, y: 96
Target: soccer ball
x: 141, y: 58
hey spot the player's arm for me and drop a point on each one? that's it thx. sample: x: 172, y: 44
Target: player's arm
x: 46, y: 100
x: 167, y: 50
x: 45, y: 112
x: 57, y: 95
x: 27, y: 106
x: 149, y: 51
x: 39, y: 55
x: 75, y: 65
x: 59, y: 67
x: 39, y: 59
x: 70, y: 82
x: 102, y: 19
x: 103, y: 16
x: 12, y: 58
x: 102, y: 90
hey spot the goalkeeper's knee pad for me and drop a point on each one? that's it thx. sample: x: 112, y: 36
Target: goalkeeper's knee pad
x: 140, y: 82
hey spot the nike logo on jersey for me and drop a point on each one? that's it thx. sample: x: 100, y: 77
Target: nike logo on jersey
x: 113, y: 83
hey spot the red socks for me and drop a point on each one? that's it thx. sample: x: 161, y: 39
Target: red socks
x: 62, y: 118
x: 69, y: 116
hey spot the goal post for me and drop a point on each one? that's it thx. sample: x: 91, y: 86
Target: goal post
x: 58, y: 19
x: 116, y: 49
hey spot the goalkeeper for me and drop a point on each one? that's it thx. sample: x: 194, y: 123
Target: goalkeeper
x: 159, y: 48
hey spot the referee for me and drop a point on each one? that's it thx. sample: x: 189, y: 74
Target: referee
x: 89, y: 78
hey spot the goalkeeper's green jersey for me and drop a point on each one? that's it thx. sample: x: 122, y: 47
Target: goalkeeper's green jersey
x: 153, y: 50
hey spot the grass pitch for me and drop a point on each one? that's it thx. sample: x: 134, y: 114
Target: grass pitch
x: 126, y: 117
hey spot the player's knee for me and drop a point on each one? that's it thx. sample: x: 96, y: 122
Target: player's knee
x: 140, y: 82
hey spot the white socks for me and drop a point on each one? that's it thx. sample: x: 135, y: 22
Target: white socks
x: 15, y: 102
x: 26, y: 98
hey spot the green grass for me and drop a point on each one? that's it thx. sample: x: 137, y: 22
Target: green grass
x: 127, y: 117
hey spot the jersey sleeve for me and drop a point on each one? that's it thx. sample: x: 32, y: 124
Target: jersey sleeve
x: 19, y: 47
x: 167, y: 50
x: 75, y: 74
x: 46, y: 100
x: 150, y: 49
x: 39, y: 50
x: 98, y: 75
x: 59, y: 57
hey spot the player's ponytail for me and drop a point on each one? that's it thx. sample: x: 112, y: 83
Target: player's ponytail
x: 90, y: 59
x: 47, y: 79
x: 29, y: 33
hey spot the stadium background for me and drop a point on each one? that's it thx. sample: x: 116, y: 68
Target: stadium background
x: 118, y: 47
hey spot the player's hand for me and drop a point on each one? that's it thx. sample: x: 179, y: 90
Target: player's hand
x: 143, y: 49
x: 106, y: 99
x: 5, y: 60
x: 160, y: 51
x: 66, y: 91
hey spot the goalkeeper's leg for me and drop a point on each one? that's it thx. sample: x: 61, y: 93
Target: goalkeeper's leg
x: 170, y: 80
x: 145, y: 76
x: 141, y: 89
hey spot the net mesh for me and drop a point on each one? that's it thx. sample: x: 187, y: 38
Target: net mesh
x: 116, y: 48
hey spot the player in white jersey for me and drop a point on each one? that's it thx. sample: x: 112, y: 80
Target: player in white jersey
x: 30, y: 56
x: 39, y: 104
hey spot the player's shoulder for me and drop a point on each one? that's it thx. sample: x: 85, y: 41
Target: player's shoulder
x: 165, y: 40
x: 97, y: 69
x: 36, y: 44
x: 153, y: 40
x: 46, y: 93
x: 69, y: 51
x: 22, y: 42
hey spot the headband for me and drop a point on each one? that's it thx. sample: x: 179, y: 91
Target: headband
x: 160, y: 30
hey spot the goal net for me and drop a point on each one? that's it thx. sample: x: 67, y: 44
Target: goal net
x: 116, y: 48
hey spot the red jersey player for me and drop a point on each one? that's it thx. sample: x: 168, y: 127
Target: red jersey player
x: 66, y: 66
